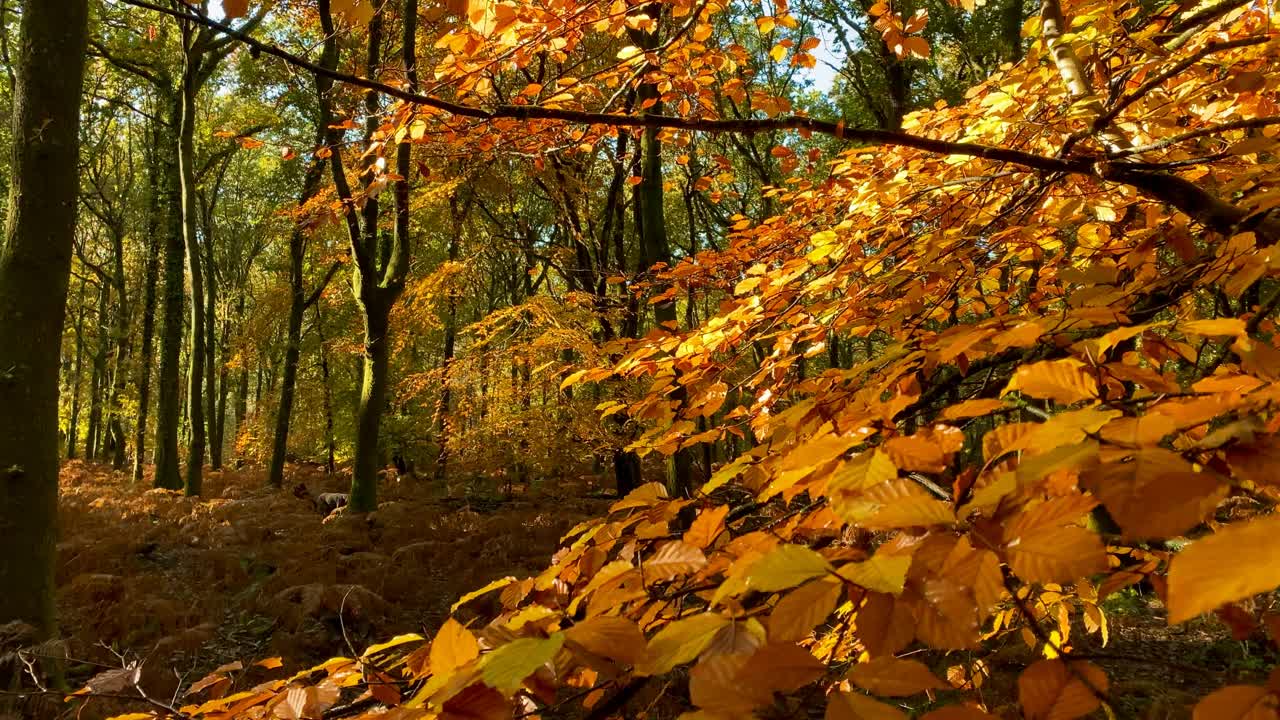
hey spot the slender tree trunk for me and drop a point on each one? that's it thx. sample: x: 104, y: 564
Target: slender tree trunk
x: 311, y: 182
x: 330, y: 443
x: 155, y: 225
x: 655, y: 247
x: 457, y: 213
x: 120, y: 359
x: 242, y: 385
x: 168, y: 418
x: 196, y: 354
x: 35, y: 269
x: 91, y: 445
x: 220, y: 413
x: 211, y: 350
x: 73, y: 431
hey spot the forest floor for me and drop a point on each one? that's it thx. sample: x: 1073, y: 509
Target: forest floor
x: 246, y: 572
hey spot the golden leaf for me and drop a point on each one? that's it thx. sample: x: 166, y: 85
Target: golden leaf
x: 1156, y: 494
x: 616, y: 638
x: 672, y: 560
x: 883, y: 573
x: 797, y: 614
x: 1234, y: 563
x: 680, y: 642
x: 786, y: 566
x: 1064, y: 381
x: 1237, y: 702
x: 453, y: 647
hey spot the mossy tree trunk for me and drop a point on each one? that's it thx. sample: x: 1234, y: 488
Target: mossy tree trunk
x: 35, y: 270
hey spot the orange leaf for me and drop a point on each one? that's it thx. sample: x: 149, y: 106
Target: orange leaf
x: 1234, y: 563
x: 1050, y: 690
x: 1064, y: 381
x: 856, y: 706
x: 894, y: 677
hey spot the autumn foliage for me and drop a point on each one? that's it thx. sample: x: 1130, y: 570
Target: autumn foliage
x: 978, y: 384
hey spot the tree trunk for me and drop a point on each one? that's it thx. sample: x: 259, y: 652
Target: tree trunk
x: 311, y: 182
x: 655, y: 247
x: 91, y: 445
x: 373, y: 394
x: 120, y: 359
x: 195, y: 368
x: 330, y: 443
x: 73, y: 430
x: 457, y: 213
x: 155, y: 209
x: 167, y: 473
x: 35, y: 269
x: 210, y: 278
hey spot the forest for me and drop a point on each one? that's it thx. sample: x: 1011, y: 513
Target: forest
x: 652, y: 359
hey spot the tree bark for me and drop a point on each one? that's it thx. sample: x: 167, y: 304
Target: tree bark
x: 297, y: 301
x: 167, y: 472
x: 35, y: 268
x: 151, y: 276
x: 196, y: 354
x: 91, y: 446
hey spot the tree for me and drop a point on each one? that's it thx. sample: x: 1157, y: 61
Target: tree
x: 35, y: 267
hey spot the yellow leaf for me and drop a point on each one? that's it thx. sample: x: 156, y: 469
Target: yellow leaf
x: 371, y: 650
x: 972, y: 408
x: 777, y: 52
x: 863, y: 471
x: 506, y: 668
x: 616, y: 638
x: 766, y: 24
x: 786, y: 566
x: 1238, y: 561
x: 1216, y: 328
x: 453, y: 647
x: 797, y: 614
x: 856, y: 706
x: 1236, y: 702
x: 680, y: 642
x: 495, y: 585
x: 894, y: 677
x: 894, y: 504
x: 1064, y: 381
x: 883, y: 573
x: 1048, y: 690
x: 672, y: 560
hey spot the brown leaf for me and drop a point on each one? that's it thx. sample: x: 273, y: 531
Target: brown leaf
x: 797, y: 614
x: 672, y: 560
x: 894, y: 677
x: 856, y: 706
x: 1050, y: 690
